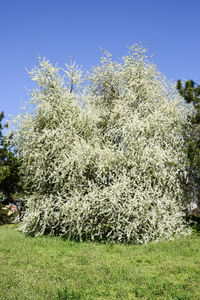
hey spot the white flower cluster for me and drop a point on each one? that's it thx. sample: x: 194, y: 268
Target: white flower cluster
x: 105, y: 163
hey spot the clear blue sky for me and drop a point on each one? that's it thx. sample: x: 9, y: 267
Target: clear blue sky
x: 59, y: 29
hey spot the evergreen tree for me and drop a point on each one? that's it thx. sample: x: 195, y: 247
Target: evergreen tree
x: 10, y: 181
x: 190, y: 91
x: 104, y: 162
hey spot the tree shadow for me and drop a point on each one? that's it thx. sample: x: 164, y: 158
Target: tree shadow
x: 194, y: 221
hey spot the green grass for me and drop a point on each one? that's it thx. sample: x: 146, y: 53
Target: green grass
x: 52, y: 268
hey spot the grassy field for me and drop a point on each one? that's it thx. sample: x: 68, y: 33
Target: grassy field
x: 52, y: 268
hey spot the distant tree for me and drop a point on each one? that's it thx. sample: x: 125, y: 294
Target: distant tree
x: 10, y: 181
x: 190, y: 91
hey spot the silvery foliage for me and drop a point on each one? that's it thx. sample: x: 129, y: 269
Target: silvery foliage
x: 105, y: 163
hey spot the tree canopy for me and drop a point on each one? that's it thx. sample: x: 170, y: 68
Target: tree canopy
x: 103, y: 160
x: 190, y: 91
x: 9, y: 166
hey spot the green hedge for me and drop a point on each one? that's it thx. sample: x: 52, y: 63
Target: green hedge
x: 4, y: 217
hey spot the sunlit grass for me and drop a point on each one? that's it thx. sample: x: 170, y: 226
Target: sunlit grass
x: 53, y: 268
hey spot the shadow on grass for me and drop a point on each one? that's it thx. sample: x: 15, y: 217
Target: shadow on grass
x: 194, y: 221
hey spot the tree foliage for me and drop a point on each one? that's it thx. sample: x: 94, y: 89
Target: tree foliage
x: 106, y: 162
x: 190, y: 91
x: 10, y: 181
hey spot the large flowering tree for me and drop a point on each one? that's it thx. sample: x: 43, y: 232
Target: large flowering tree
x: 103, y: 161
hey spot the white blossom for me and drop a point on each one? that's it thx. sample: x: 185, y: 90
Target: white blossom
x: 111, y: 170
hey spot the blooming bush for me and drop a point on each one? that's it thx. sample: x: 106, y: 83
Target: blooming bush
x: 102, y: 156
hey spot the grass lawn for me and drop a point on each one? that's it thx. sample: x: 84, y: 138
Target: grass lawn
x: 53, y: 268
